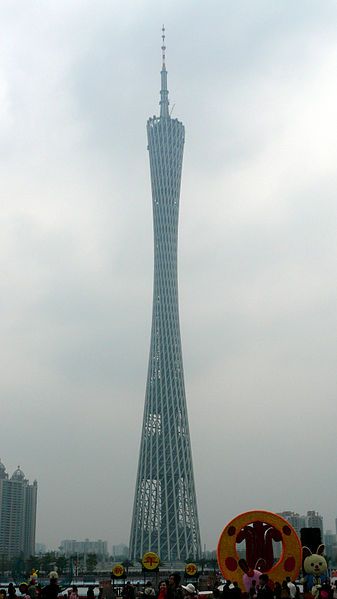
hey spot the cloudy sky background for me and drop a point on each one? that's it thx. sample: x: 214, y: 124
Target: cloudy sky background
x: 255, y: 83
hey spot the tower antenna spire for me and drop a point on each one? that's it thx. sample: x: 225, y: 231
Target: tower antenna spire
x: 163, y: 48
x: 164, y: 102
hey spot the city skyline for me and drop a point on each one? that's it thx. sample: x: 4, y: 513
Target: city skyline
x: 256, y: 88
x: 296, y: 519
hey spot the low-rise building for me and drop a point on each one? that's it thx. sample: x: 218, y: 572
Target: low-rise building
x: 70, y: 547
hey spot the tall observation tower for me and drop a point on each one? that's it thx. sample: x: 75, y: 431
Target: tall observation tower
x: 165, y: 517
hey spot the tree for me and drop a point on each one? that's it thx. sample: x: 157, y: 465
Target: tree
x: 4, y: 563
x: 18, y: 566
x: 91, y: 562
x: 33, y: 562
x: 48, y: 561
x: 61, y: 564
x: 202, y: 563
x: 213, y: 563
x: 127, y: 563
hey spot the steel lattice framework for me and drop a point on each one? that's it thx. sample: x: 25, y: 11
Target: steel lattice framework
x: 165, y: 518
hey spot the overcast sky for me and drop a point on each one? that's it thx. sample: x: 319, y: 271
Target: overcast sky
x: 255, y: 84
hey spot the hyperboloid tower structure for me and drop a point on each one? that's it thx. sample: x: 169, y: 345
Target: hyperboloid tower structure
x: 165, y: 517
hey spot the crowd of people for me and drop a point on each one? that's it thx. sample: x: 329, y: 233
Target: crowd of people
x: 170, y: 588
x: 264, y: 589
x: 167, y: 589
x: 267, y: 589
x: 32, y: 589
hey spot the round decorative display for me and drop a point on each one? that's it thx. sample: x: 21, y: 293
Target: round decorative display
x: 259, y: 529
x: 191, y: 569
x: 118, y: 570
x: 150, y: 560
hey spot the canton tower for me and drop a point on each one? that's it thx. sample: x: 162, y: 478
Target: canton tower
x: 165, y: 517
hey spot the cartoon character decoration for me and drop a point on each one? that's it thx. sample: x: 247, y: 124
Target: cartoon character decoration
x: 32, y: 584
x: 315, y: 568
x: 259, y: 530
x: 251, y: 574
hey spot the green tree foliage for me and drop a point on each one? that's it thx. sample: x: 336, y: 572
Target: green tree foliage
x: 48, y: 561
x: 5, y: 564
x: 32, y: 562
x: 18, y: 566
x: 127, y: 563
x: 61, y: 564
x: 91, y: 562
x: 213, y: 563
x: 202, y: 562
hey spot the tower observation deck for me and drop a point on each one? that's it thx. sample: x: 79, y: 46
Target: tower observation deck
x: 165, y: 518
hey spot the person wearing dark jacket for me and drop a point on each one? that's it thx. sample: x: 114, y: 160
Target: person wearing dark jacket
x: 226, y: 590
x: 11, y: 591
x: 264, y: 591
x: 52, y: 590
x: 128, y: 591
x: 90, y: 592
x: 174, y: 590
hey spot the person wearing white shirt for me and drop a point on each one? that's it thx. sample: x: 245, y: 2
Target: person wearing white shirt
x: 291, y: 587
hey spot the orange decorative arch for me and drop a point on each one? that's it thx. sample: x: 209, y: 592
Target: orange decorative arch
x: 291, y: 556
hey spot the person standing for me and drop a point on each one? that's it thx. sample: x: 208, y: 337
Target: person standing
x: 285, y: 592
x: 277, y: 590
x: 253, y: 590
x: 175, y: 590
x: 235, y: 591
x: 23, y: 588
x: 226, y: 590
x: 264, y: 591
x: 90, y: 592
x: 162, y: 591
x: 11, y: 591
x: 149, y: 590
x: 334, y: 590
x: 189, y: 590
x: 108, y: 591
x: 291, y: 587
x: 73, y: 593
x: 52, y: 590
x: 128, y: 592
x: 138, y: 591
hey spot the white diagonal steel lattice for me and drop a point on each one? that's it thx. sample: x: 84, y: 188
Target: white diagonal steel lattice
x: 165, y: 518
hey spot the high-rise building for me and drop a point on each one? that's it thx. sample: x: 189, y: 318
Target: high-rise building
x: 314, y: 520
x: 295, y: 520
x: 311, y: 520
x: 329, y: 538
x: 17, y: 514
x: 165, y: 518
